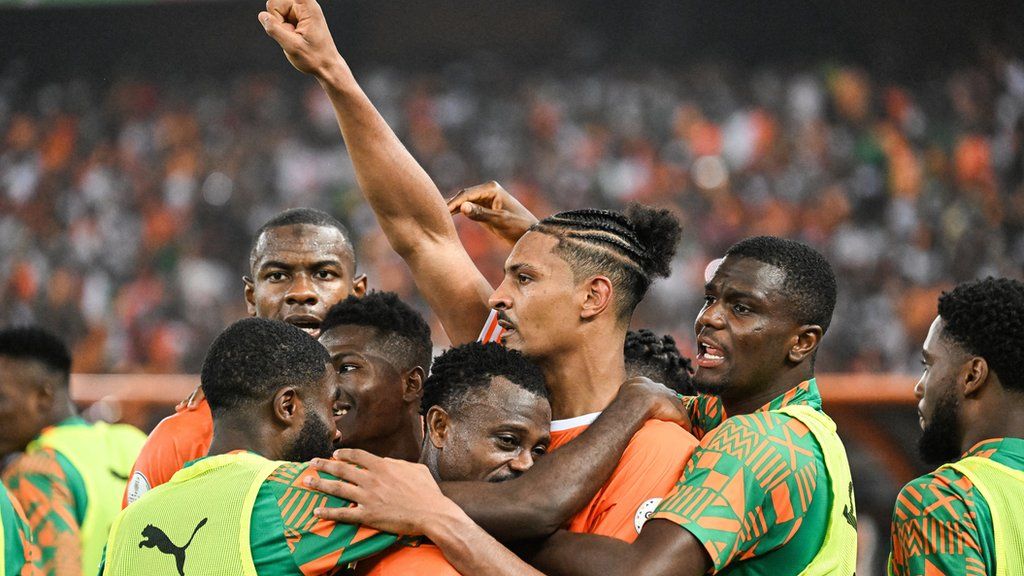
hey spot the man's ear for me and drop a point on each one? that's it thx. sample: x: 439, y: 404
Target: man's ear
x: 437, y: 426
x: 250, y: 295
x: 287, y: 406
x: 597, y: 297
x: 412, y: 385
x: 359, y: 285
x: 804, y: 343
x: 973, y: 376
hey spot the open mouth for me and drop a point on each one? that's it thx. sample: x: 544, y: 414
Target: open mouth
x: 341, y: 410
x: 709, y: 355
x: 308, y: 324
x: 507, y: 327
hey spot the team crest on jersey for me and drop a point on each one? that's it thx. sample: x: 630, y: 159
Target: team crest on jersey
x: 644, y: 512
x: 137, y: 487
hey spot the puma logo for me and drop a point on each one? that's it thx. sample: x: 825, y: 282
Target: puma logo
x: 155, y: 538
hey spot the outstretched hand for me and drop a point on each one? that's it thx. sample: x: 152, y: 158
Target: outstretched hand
x: 300, y: 28
x: 494, y: 208
x: 390, y: 495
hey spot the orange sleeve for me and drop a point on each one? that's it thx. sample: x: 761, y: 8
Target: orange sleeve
x: 425, y: 559
x: 182, y: 436
x: 649, y: 468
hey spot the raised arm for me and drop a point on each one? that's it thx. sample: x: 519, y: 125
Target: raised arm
x: 558, y: 485
x: 408, y: 205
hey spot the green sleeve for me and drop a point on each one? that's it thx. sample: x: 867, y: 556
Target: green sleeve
x: 286, y: 538
x: 754, y: 490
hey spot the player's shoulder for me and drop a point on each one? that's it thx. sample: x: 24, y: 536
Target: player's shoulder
x: 188, y: 423
x: 662, y: 433
x: 941, y: 485
x: 762, y: 423
x: 42, y: 462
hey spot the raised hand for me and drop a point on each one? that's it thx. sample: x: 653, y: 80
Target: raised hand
x: 494, y: 208
x: 300, y: 28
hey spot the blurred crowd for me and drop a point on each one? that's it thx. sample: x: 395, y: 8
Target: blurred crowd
x: 127, y: 204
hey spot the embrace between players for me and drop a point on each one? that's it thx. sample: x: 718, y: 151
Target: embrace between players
x: 551, y: 452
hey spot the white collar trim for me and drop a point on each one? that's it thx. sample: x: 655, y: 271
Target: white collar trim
x: 576, y: 422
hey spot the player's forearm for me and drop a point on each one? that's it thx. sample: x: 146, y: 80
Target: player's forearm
x: 410, y: 209
x: 407, y: 203
x: 471, y: 550
x: 560, y: 484
x: 663, y: 549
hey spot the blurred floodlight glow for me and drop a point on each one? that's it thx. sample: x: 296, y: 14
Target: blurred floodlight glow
x: 709, y: 172
x: 217, y: 189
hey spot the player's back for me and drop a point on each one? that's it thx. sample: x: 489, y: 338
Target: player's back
x: 648, y: 469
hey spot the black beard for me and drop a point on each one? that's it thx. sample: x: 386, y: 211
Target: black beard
x: 708, y: 388
x: 940, y: 440
x: 314, y: 441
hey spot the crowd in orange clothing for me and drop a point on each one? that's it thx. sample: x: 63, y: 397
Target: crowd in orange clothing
x: 127, y: 204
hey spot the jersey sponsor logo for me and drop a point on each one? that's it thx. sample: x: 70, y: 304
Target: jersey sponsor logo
x: 137, y: 487
x: 154, y: 537
x: 644, y: 512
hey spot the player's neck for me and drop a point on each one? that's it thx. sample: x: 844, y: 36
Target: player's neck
x: 403, y: 445
x: 983, y: 426
x: 228, y: 437
x: 586, y: 379
x: 749, y: 401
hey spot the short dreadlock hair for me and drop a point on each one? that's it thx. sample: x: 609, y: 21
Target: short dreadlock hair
x: 402, y: 333
x: 810, y: 284
x: 253, y: 358
x: 658, y: 359
x: 631, y: 249
x: 296, y: 216
x: 36, y: 344
x: 461, y: 370
x: 986, y: 318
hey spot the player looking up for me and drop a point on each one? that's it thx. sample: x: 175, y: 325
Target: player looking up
x: 570, y: 288
x: 960, y: 518
x: 71, y: 476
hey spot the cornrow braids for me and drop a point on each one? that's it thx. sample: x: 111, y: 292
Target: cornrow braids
x: 658, y: 358
x: 631, y: 249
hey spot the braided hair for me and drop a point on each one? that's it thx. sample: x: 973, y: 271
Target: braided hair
x: 631, y: 249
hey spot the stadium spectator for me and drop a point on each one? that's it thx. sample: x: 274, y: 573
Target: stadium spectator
x: 72, y: 473
x: 907, y: 186
x: 972, y: 408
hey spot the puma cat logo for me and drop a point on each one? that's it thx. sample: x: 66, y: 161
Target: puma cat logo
x: 155, y: 538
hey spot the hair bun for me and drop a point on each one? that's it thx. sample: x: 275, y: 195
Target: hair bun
x: 658, y: 231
